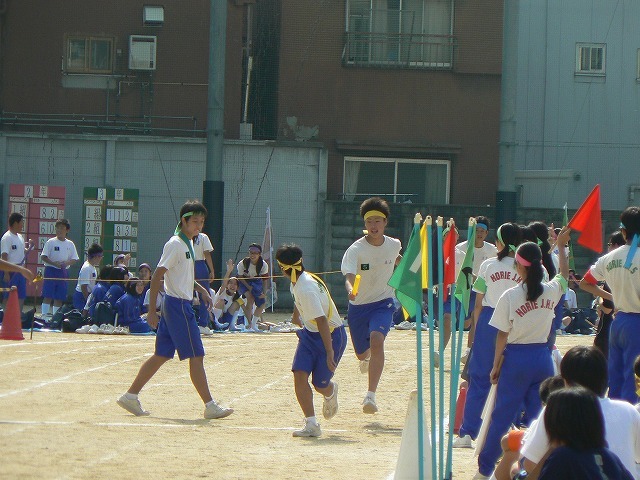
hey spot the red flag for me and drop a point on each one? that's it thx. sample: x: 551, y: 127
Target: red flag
x: 449, y: 258
x: 588, y: 221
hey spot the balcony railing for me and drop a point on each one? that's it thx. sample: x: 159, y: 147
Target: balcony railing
x: 400, y: 50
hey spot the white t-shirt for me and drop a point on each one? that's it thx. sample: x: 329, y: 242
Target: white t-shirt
x: 486, y: 251
x: 375, y: 266
x: 226, y: 297
x: 571, y: 299
x: 201, y: 244
x: 494, y: 278
x: 180, y: 275
x: 159, y: 299
x: 59, y: 251
x: 87, y: 276
x: 624, y: 282
x: 312, y: 301
x: 12, y: 244
x: 528, y: 322
x: 622, y: 433
x: 252, y: 269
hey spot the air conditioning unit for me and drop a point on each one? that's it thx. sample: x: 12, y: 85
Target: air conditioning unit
x: 142, y: 52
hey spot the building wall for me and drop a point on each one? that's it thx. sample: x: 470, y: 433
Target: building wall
x: 394, y: 111
x: 584, y: 125
x: 33, y: 79
x: 290, y: 178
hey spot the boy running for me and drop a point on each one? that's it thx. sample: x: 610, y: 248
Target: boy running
x: 321, y: 342
x: 177, y: 326
x: 370, y: 313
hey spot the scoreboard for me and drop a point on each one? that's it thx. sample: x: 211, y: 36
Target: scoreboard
x: 41, y: 206
x: 111, y: 219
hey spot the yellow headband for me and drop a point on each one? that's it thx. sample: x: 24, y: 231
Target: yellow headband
x: 296, y: 267
x: 374, y: 213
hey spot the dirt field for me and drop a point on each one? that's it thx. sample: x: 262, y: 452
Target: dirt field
x: 59, y: 419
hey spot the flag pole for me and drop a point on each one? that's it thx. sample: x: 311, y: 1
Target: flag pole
x: 432, y: 377
x: 416, y: 221
x: 441, y: 291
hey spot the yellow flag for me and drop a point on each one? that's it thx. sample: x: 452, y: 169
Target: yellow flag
x: 425, y: 255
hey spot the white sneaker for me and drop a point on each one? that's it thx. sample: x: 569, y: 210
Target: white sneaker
x: 330, y: 405
x: 436, y: 359
x: 465, y: 356
x: 205, y: 331
x: 479, y: 476
x: 214, y: 410
x: 84, y: 329
x: 309, y: 430
x: 404, y: 325
x: 462, y: 442
x: 132, y: 405
x: 369, y: 405
x: 94, y: 329
x: 424, y: 326
x: 364, y: 366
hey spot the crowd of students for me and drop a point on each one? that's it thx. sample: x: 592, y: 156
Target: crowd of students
x: 516, y: 312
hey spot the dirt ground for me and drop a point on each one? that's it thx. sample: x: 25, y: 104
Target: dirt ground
x: 59, y: 419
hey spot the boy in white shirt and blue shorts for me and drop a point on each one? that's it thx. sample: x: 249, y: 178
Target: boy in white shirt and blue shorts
x: 321, y: 341
x: 177, y: 326
x: 370, y: 313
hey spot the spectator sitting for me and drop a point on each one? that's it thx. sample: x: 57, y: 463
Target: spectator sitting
x: 128, y: 308
x: 116, y: 290
x: 586, y: 366
x: 99, y: 291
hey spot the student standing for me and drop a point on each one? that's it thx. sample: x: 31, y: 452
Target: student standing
x: 522, y: 359
x: 87, y: 276
x: 321, y: 341
x: 177, y: 327
x: 620, y: 269
x: 58, y: 254
x: 14, y: 250
x: 496, y: 275
x: 370, y: 312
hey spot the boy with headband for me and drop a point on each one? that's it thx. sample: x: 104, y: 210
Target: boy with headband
x: 177, y: 326
x: 321, y: 341
x: 370, y: 313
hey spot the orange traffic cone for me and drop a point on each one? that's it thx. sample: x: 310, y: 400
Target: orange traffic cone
x: 462, y: 399
x: 12, y: 322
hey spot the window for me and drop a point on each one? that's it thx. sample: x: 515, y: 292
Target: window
x: 406, y: 33
x: 399, y: 179
x: 590, y: 58
x: 89, y: 54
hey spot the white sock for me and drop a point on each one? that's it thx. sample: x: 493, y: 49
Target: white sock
x: 312, y: 420
x: 212, y: 402
x: 254, y: 323
x: 54, y: 309
x: 131, y: 396
x: 44, y: 308
x: 217, y: 313
x: 372, y: 395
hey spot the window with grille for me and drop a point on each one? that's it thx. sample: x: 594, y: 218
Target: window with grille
x: 400, y: 33
x: 86, y: 54
x: 590, y: 58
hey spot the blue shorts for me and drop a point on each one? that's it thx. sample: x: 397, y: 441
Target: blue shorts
x: 367, y: 318
x: 311, y: 356
x: 17, y: 280
x: 55, y: 289
x: 256, y: 290
x: 178, y: 330
x: 78, y: 300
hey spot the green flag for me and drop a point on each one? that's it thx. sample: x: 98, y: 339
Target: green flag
x: 565, y: 222
x: 464, y: 282
x: 407, y: 277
